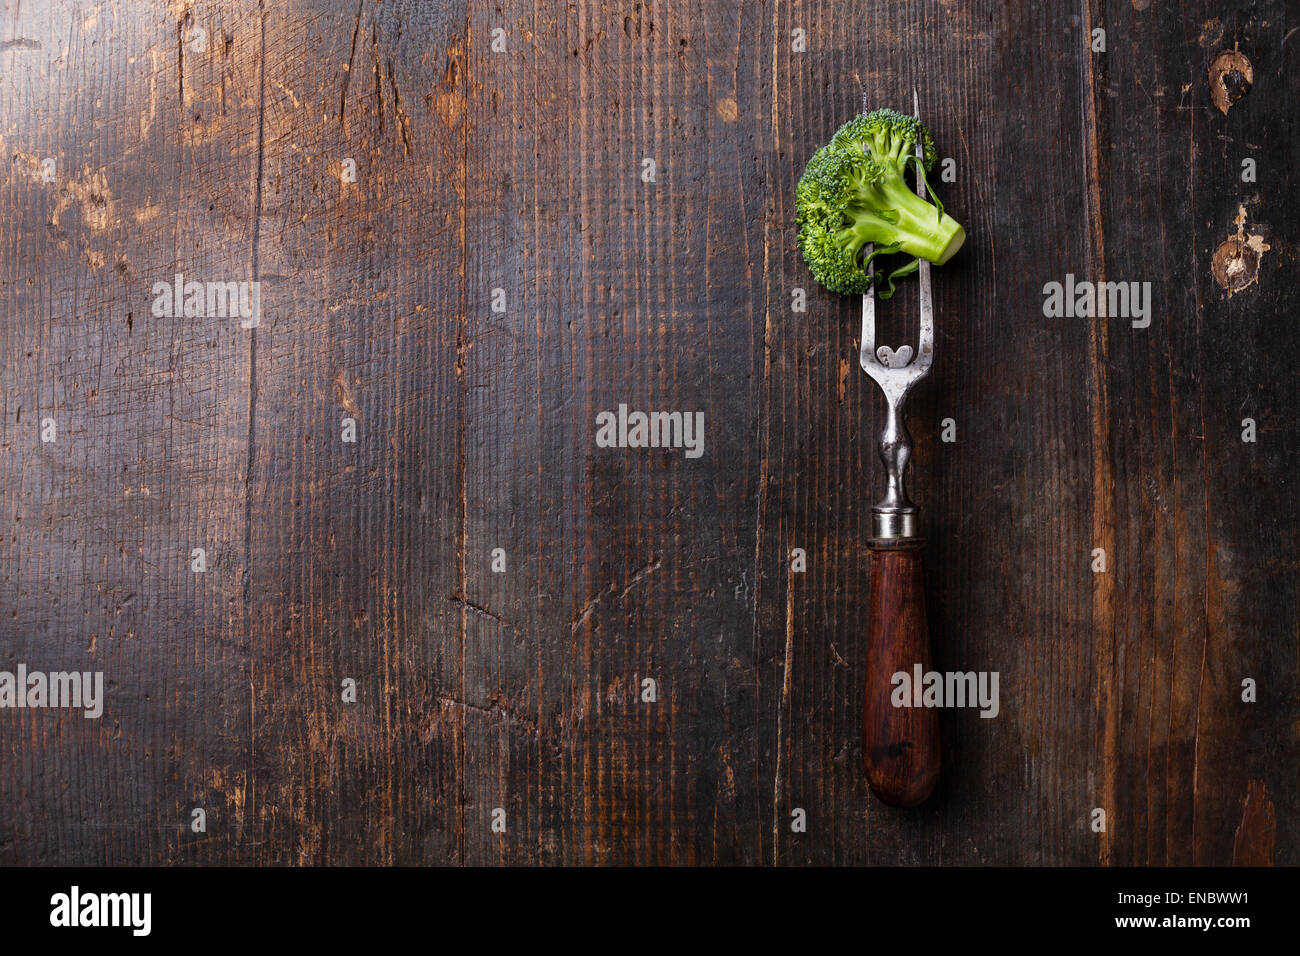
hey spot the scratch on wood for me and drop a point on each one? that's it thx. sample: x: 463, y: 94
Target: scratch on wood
x: 251, y: 459
x: 780, y: 716
x: 403, y: 121
x: 1103, y: 519
x: 352, y: 54
x: 180, y: 60
x: 461, y: 180
x: 461, y: 601
x: 493, y: 708
x: 613, y: 591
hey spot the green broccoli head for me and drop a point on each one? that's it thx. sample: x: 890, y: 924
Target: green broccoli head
x: 853, y: 192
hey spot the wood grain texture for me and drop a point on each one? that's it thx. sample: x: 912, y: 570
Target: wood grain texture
x: 521, y: 171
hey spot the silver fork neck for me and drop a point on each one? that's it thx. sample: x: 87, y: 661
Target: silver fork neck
x: 895, y: 516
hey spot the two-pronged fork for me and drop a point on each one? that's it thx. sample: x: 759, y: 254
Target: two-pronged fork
x: 900, y: 744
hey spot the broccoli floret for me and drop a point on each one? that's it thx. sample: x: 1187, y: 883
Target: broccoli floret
x: 853, y: 192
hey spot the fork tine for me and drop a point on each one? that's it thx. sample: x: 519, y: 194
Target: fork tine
x: 867, y: 347
x: 925, y: 352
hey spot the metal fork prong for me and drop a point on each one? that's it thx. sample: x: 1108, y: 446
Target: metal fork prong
x: 925, y: 352
x: 920, y: 150
x: 867, y: 347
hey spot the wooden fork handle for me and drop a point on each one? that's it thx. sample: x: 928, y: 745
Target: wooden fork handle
x: 900, y: 745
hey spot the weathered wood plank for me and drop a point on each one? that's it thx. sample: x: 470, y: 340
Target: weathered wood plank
x: 151, y: 414
x: 623, y: 565
x: 1205, y: 546
x: 352, y: 552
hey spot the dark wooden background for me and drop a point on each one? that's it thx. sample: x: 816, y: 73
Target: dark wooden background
x: 521, y: 170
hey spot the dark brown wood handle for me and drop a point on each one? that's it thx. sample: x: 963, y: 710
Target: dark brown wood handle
x: 900, y: 745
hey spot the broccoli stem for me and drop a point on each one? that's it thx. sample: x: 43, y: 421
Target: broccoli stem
x: 920, y: 230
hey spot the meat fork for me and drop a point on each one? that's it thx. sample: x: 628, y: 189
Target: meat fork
x: 900, y: 745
